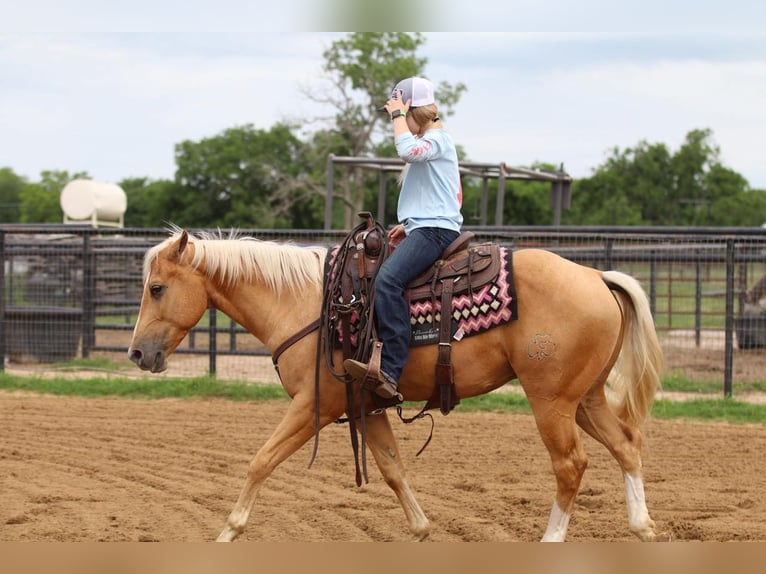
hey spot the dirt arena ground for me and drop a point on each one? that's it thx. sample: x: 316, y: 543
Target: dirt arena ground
x: 82, y: 469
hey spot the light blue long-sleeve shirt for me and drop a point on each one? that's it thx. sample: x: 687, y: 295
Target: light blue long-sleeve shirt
x: 431, y: 193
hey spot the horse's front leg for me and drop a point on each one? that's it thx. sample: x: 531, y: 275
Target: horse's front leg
x: 380, y: 439
x: 293, y: 431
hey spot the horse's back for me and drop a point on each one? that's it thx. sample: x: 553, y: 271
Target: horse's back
x: 550, y: 287
x: 548, y: 271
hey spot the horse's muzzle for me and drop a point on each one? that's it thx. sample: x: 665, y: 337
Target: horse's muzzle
x: 155, y: 362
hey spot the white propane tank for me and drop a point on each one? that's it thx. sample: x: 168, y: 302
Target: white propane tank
x: 98, y: 203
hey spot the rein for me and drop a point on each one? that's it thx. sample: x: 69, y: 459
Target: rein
x: 406, y: 420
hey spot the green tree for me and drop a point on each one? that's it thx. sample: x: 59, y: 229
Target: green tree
x: 10, y: 193
x: 649, y: 185
x: 40, y: 200
x: 362, y: 68
x: 525, y: 202
x: 243, y: 177
x: 148, y: 201
x: 740, y: 206
x: 602, y: 200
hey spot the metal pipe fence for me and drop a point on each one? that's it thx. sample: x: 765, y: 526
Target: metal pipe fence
x: 72, y: 293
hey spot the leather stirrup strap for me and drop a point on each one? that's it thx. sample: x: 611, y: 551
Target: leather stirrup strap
x: 345, y: 321
x: 373, y: 367
x: 444, y: 373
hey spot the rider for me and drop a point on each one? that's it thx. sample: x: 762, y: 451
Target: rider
x: 429, y: 220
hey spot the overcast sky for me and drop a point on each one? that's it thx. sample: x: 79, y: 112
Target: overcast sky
x: 86, y: 88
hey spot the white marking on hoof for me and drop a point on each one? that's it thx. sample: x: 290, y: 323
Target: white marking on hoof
x: 639, y: 521
x: 557, y: 525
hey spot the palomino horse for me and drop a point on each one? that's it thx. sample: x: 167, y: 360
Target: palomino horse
x: 575, y: 326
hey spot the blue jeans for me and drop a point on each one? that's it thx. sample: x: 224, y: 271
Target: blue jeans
x: 418, y: 251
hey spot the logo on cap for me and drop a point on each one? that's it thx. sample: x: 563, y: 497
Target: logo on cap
x: 419, y: 91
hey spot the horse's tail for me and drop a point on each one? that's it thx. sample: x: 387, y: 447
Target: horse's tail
x: 635, y: 378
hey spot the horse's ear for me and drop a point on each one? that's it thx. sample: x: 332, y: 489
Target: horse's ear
x: 183, y: 242
x: 178, y: 247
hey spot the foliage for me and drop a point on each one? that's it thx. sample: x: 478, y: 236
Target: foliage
x: 10, y: 194
x: 151, y: 203
x: 40, y: 200
x: 524, y: 203
x: 649, y: 185
x: 243, y: 177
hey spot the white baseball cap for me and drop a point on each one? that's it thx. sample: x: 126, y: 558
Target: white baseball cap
x: 419, y: 90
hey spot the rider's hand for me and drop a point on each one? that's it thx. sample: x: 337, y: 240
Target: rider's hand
x: 396, y: 103
x: 396, y: 234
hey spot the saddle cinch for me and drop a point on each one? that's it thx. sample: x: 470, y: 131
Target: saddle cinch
x: 461, y: 268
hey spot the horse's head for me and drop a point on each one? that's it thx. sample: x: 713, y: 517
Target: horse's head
x: 173, y: 301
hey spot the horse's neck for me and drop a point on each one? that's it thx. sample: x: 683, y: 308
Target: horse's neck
x: 269, y: 316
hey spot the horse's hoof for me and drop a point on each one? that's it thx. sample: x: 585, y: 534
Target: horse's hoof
x: 655, y: 537
x: 228, y: 534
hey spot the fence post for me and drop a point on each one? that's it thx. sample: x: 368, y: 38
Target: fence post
x: 232, y: 335
x: 382, y: 197
x: 653, y: 285
x: 212, y: 330
x: 729, y: 320
x: 698, y: 303
x: 2, y: 300
x: 484, y: 201
x: 88, y: 296
x: 330, y: 167
x: 608, y: 253
x: 500, y: 198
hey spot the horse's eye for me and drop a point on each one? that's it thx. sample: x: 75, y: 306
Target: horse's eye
x: 156, y: 290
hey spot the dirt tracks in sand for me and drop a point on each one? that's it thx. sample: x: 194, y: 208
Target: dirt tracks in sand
x: 107, y: 469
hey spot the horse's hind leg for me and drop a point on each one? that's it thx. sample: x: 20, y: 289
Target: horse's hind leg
x: 556, y: 423
x: 380, y: 439
x: 624, y: 442
x: 293, y: 431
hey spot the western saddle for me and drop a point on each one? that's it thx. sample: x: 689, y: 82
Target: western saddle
x: 350, y: 293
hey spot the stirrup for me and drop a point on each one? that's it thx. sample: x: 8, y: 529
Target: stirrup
x: 382, y: 385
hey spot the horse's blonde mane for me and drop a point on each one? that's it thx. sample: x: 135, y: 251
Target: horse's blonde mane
x: 235, y: 258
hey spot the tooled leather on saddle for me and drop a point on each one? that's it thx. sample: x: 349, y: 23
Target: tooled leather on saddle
x: 483, y: 294
x: 474, y: 281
